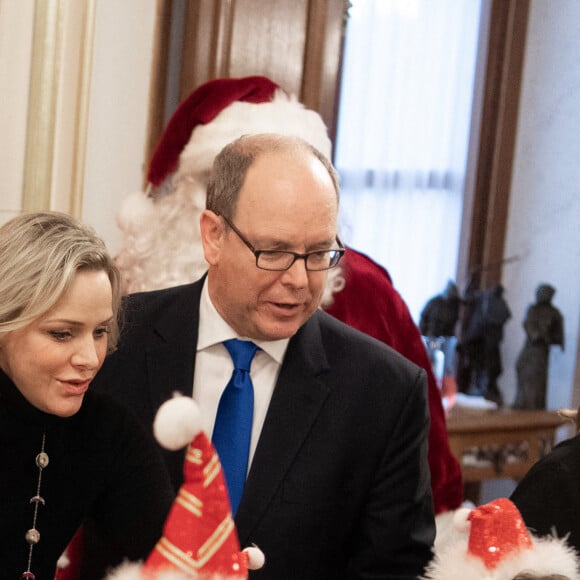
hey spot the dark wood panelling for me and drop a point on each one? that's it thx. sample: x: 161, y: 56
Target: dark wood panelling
x: 296, y: 43
x: 159, y: 68
x: 505, y: 52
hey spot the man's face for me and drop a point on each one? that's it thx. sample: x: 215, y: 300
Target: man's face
x: 287, y: 202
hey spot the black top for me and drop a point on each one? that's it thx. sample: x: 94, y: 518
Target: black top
x: 548, y: 497
x: 102, y: 465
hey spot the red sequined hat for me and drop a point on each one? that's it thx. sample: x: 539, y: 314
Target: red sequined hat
x: 497, y: 529
x: 493, y: 543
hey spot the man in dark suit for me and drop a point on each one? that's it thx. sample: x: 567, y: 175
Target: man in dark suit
x: 338, y: 481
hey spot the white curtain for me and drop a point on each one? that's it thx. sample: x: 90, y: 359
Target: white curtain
x: 403, y: 130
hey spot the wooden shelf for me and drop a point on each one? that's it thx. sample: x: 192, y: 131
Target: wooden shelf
x: 502, y: 443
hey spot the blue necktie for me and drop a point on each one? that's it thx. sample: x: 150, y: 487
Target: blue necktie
x: 233, y: 424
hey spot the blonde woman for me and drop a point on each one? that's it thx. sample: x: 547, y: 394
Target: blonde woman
x: 67, y: 454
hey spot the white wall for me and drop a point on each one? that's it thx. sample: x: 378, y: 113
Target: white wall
x: 16, y: 24
x: 120, y: 41
x: 118, y: 110
x: 544, y: 212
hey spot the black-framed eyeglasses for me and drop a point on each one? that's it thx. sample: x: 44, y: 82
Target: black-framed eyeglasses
x: 280, y: 260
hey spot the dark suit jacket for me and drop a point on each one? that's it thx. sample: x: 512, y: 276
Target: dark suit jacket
x: 548, y: 496
x: 339, y: 485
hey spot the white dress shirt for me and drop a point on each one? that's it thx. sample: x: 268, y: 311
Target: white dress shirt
x: 214, y: 367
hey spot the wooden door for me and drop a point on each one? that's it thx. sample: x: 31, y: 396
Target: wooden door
x: 296, y: 43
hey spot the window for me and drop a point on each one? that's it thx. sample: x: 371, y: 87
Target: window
x: 403, y: 133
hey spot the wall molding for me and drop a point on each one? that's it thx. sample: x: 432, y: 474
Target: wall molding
x: 58, y: 106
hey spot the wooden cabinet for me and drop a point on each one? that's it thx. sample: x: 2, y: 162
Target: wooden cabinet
x: 491, y: 444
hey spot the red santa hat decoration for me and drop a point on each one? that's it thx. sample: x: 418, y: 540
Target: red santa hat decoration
x: 233, y: 107
x: 161, y: 244
x: 496, y: 545
x: 199, y: 537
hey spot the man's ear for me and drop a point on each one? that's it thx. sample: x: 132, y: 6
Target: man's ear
x: 212, y: 235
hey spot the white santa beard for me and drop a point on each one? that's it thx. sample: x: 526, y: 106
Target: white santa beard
x: 165, y: 251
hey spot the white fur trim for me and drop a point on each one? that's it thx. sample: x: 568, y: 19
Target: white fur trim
x: 283, y: 115
x: 127, y: 571
x: 548, y: 556
x: 460, y: 519
x: 446, y: 525
x: 132, y: 571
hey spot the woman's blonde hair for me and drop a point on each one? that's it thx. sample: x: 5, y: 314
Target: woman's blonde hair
x: 40, y: 253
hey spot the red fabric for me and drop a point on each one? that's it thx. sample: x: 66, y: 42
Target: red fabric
x: 497, y: 531
x: 201, y: 107
x: 199, y: 535
x: 370, y: 303
x: 74, y: 552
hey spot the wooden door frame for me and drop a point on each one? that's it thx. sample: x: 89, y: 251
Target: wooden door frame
x: 491, y: 156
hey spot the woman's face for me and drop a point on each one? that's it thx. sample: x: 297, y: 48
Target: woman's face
x: 53, y: 359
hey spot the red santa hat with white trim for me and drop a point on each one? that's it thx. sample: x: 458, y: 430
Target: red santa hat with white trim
x: 494, y: 544
x: 161, y: 244
x: 199, y: 539
x: 233, y: 107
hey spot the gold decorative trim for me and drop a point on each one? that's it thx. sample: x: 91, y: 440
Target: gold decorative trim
x: 82, y: 108
x: 40, y: 133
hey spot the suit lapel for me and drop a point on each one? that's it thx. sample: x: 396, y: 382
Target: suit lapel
x: 296, y: 402
x: 172, y: 348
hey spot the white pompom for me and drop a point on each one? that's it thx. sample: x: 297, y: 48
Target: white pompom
x: 256, y: 558
x: 63, y: 562
x: 460, y: 521
x: 177, y: 421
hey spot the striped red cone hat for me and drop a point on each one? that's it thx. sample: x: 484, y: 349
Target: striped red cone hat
x: 199, y: 536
